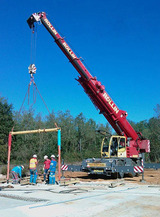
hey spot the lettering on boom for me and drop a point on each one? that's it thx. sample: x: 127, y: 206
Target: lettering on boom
x: 69, y: 50
x: 50, y: 26
x: 112, y: 105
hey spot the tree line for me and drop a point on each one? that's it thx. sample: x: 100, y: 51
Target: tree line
x: 79, y: 135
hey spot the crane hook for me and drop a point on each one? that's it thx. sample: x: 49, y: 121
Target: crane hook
x: 32, y: 69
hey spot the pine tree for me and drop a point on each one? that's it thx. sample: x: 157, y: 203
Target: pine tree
x: 6, y: 124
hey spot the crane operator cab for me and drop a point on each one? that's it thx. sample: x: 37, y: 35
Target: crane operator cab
x: 115, y: 147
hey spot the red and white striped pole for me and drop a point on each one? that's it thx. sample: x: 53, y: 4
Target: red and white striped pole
x: 62, y: 168
x: 142, y: 162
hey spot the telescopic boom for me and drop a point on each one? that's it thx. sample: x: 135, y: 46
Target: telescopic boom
x: 94, y: 89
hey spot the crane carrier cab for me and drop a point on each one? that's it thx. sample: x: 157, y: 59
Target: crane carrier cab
x: 113, y: 161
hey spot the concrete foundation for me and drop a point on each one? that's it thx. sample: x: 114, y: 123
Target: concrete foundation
x: 82, y: 199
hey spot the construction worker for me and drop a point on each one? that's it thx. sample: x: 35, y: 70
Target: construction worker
x: 33, y: 169
x: 46, y: 166
x: 17, y: 174
x: 52, y: 170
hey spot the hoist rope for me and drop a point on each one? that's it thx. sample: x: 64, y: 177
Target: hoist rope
x: 34, y: 94
x: 22, y: 104
x: 33, y: 45
x: 35, y: 88
x: 34, y: 97
x: 44, y: 102
x: 24, y: 98
x: 31, y: 52
x: 41, y: 97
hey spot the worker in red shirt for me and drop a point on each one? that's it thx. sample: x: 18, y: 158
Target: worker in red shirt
x: 46, y: 166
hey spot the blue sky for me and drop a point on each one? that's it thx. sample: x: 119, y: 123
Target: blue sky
x: 118, y: 40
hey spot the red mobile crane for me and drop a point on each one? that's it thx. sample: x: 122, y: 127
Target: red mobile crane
x: 129, y: 144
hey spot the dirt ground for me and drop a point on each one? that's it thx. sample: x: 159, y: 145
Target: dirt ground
x: 151, y: 177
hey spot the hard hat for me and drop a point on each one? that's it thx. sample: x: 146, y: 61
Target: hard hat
x: 35, y: 155
x: 45, y: 157
x: 52, y: 156
x: 22, y: 167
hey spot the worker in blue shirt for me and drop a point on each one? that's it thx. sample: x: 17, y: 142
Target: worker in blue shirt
x: 52, y: 170
x: 17, y: 174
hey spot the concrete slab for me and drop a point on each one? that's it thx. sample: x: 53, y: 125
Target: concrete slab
x: 83, y: 199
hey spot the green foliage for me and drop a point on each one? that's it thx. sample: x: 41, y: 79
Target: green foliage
x: 79, y: 137
x: 151, y: 130
x: 157, y: 111
x: 4, y: 170
x: 6, y: 124
x: 154, y: 136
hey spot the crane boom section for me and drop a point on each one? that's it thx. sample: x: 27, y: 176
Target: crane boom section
x: 94, y: 89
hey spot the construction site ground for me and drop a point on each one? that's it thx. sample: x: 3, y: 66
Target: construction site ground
x: 79, y: 195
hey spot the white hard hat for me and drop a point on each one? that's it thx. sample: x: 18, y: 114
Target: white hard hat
x: 53, y: 156
x: 35, y: 155
x: 22, y: 167
x: 45, y: 157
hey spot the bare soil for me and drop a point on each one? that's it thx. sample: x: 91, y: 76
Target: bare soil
x: 151, y: 177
